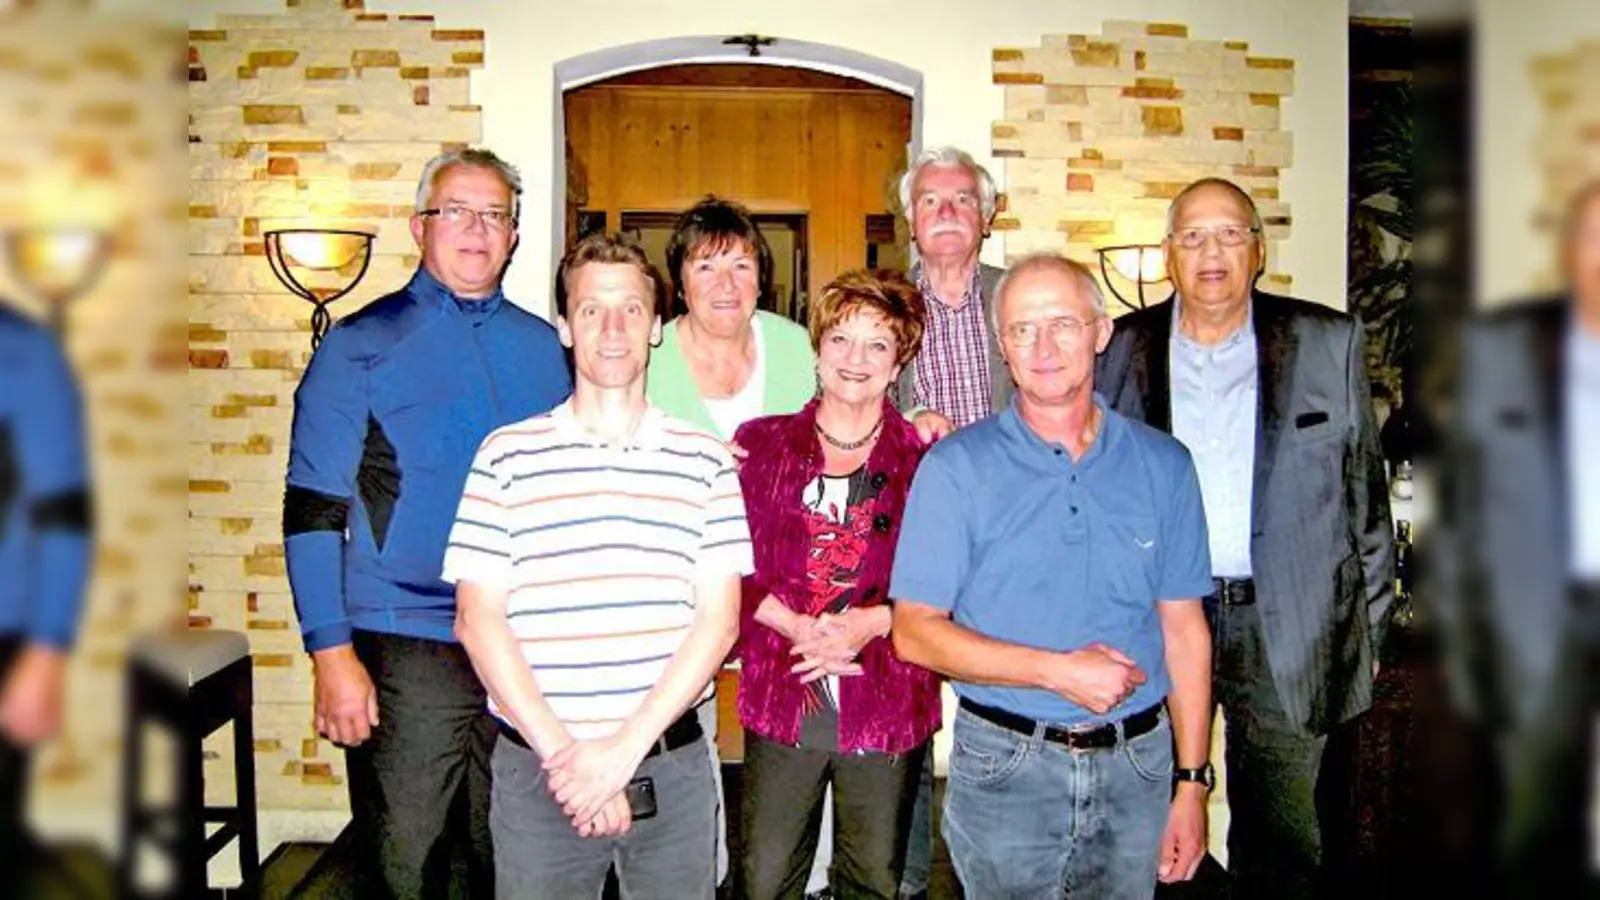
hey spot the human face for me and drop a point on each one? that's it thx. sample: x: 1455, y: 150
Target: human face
x: 1057, y: 366
x: 469, y: 257
x: 947, y: 214
x: 720, y: 287
x: 857, y: 359
x: 1211, y: 276
x: 1582, y: 253
x: 610, y: 324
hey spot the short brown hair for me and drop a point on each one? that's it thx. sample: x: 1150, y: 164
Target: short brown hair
x: 883, y: 291
x: 712, y: 226
x: 611, y: 249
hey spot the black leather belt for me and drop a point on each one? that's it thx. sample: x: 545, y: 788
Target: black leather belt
x: 685, y: 731
x: 1233, y: 591
x: 1089, y: 738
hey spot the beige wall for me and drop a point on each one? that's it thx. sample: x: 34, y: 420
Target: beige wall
x: 948, y: 41
x: 1517, y: 136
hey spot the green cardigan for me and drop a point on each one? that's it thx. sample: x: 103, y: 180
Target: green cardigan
x: 791, y: 373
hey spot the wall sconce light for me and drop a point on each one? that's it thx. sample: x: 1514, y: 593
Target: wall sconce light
x: 321, y: 250
x: 1141, y: 264
x: 57, y: 264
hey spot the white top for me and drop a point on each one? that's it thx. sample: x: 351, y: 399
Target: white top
x: 599, y: 545
x: 730, y: 412
x: 1583, y: 435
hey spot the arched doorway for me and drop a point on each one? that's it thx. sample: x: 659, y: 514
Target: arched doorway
x: 810, y: 137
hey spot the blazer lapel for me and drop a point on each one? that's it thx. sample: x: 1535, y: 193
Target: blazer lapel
x: 1276, y: 346
x: 1153, y: 362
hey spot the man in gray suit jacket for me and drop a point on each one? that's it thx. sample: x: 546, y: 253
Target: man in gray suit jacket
x: 1271, y: 396
x: 1517, y: 604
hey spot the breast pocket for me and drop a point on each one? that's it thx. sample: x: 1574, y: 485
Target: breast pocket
x: 1127, y: 555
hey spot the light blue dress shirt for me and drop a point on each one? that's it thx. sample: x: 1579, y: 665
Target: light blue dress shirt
x: 1214, y: 415
x: 1583, y: 436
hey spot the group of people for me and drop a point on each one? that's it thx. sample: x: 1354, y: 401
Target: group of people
x: 1096, y: 532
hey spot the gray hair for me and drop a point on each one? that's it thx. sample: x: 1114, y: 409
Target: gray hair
x: 988, y: 194
x: 479, y: 157
x: 1047, y: 260
x: 1239, y: 192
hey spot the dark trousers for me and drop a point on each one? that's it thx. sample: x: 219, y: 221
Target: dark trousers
x: 419, y: 787
x: 919, y: 849
x: 873, y: 796
x: 1548, y: 772
x: 13, y: 773
x: 1275, y: 830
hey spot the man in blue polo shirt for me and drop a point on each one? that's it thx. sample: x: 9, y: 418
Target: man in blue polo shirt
x: 1051, y: 564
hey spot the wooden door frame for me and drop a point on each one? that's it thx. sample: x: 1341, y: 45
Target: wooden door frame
x: 598, y: 65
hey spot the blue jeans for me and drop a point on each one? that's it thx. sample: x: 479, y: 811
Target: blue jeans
x: 1026, y: 818
x: 671, y: 856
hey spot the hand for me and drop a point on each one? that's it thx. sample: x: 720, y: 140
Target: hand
x: 931, y: 426
x: 739, y: 454
x: 1183, y: 841
x: 846, y: 632
x: 1096, y: 678
x: 346, y: 701
x: 585, y: 775
x: 614, y: 818
x: 30, y: 699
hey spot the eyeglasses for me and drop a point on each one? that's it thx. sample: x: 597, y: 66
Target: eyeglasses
x: 1227, y: 236
x: 1062, y: 330
x: 458, y: 216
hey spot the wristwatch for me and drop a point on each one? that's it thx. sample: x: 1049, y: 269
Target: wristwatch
x: 1204, y: 775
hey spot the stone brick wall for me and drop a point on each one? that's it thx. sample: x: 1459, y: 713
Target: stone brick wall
x: 1567, y: 148
x: 1100, y: 131
x: 324, y: 116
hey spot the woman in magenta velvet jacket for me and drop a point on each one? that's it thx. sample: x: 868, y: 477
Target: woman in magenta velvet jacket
x: 821, y: 693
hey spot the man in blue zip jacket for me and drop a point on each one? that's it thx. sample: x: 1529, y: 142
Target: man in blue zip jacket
x: 387, y: 418
x: 44, y: 550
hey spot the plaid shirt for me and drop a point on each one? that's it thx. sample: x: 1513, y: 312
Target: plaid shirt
x: 952, y: 370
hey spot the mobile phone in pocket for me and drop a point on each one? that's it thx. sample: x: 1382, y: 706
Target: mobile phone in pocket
x: 641, y: 794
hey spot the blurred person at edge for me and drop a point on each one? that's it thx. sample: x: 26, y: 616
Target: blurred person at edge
x: 45, y: 546
x: 1518, y: 603
x: 386, y: 421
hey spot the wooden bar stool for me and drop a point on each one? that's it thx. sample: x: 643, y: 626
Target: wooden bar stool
x: 192, y: 682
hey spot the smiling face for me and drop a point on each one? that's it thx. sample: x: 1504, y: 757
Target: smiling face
x: 857, y: 359
x: 468, y: 257
x: 720, y: 286
x: 1213, y: 276
x: 947, y: 213
x: 610, y: 324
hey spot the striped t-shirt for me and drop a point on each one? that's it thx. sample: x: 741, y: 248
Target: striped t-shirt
x: 599, y: 545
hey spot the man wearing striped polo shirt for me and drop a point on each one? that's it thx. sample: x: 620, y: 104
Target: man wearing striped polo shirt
x: 597, y: 554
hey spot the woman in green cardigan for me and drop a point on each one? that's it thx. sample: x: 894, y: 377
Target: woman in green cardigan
x: 724, y: 362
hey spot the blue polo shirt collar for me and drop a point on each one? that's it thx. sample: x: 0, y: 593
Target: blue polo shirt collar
x: 1044, y: 452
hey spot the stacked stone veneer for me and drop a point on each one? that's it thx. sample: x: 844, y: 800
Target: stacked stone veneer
x: 1100, y: 131
x: 1567, y: 147
x: 323, y: 115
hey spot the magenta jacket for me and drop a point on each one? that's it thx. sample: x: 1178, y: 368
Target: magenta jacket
x: 892, y: 706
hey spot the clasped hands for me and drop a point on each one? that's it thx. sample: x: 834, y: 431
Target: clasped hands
x: 829, y: 644
x: 588, y: 777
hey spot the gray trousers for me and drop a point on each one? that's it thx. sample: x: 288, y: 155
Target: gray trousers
x: 538, y: 854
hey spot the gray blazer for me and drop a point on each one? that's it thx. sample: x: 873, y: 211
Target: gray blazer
x: 1000, y: 384
x: 1321, y: 542
x: 1500, y: 561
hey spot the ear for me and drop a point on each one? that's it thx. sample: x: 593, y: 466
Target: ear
x: 655, y: 331
x: 418, y: 229
x: 564, y: 331
x: 1104, y: 326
